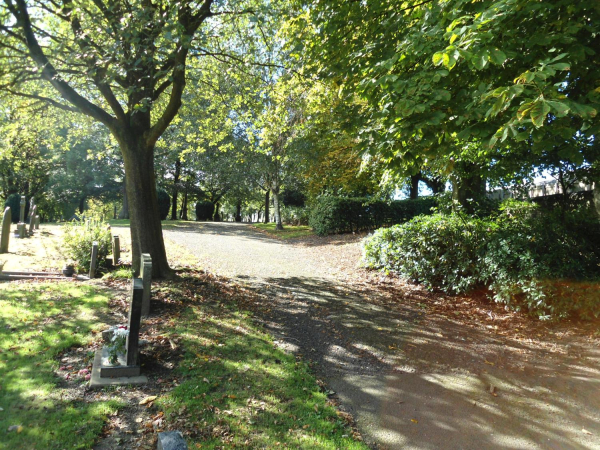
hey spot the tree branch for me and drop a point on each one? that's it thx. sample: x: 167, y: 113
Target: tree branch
x: 44, y: 99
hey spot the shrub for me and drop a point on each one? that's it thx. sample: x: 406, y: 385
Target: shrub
x: 14, y: 201
x: 164, y: 203
x: 293, y: 197
x: 78, y: 240
x: 342, y: 215
x: 438, y: 251
x: 205, y: 210
x: 545, y: 262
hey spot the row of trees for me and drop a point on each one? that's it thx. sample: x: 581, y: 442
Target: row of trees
x: 236, y: 99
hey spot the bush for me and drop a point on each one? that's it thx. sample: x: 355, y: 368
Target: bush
x: 342, y: 215
x: 164, y: 203
x: 543, y: 261
x: 205, y: 210
x: 14, y: 201
x: 78, y: 240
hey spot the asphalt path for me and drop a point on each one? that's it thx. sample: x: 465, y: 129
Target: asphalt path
x: 410, y: 383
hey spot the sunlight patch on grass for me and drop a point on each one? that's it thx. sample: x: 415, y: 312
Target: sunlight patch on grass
x: 288, y: 232
x: 237, y: 389
x: 39, y: 321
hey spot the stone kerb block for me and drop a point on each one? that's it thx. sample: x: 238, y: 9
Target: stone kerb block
x: 5, y: 237
x: 147, y: 280
x: 171, y: 440
x: 21, y: 231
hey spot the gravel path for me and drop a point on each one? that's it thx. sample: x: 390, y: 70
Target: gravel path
x: 410, y: 380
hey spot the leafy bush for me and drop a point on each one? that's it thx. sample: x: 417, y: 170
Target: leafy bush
x: 164, y: 203
x: 14, y: 201
x: 543, y: 261
x: 205, y: 210
x: 438, y: 251
x: 78, y: 240
x: 342, y: 215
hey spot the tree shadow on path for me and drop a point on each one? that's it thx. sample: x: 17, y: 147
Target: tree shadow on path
x: 414, y: 381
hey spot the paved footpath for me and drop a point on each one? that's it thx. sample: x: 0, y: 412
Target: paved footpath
x: 410, y: 383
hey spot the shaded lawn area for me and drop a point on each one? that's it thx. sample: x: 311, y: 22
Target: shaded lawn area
x: 238, y: 389
x: 37, y: 323
x: 288, y: 232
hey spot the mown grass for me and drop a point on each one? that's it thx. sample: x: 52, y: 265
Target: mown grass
x: 38, y: 322
x: 288, y: 232
x: 238, y: 390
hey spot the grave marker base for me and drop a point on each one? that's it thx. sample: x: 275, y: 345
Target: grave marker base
x: 96, y: 381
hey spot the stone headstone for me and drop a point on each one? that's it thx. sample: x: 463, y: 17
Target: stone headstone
x: 147, y: 281
x: 116, y: 249
x: 22, y: 204
x: 37, y: 222
x: 94, y: 260
x: 4, y: 238
x: 32, y: 220
x: 21, y: 230
x: 135, y: 318
x: 127, y: 369
x: 171, y: 440
x: 88, y: 224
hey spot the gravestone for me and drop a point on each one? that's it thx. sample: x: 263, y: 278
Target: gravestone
x: 4, y: 238
x: 21, y: 230
x: 22, y: 204
x: 32, y: 220
x: 116, y: 248
x: 147, y: 280
x: 37, y: 222
x: 94, y: 260
x: 127, y: 369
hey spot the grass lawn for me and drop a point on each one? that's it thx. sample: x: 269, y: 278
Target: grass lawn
x: 288, y: 232
x: 37, y: 323
x: 237, y: 389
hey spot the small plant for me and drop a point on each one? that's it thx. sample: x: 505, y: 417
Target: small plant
x: 78, y: 238
x: 2, y: 262
x: 117, y: 344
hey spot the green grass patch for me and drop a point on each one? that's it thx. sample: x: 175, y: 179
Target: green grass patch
x: 288, y: 232
x: 237, y: 389
x: 120, y: 273
x: 37, y: 323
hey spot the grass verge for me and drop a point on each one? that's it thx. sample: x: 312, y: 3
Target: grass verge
x: 237, y: 389
x: 288, y: 232
x: 38, y: 322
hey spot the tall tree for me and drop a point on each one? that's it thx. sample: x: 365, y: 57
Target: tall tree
x: 123, y: 64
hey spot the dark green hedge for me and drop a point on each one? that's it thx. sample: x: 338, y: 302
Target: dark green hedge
x: 164, y: 203
x: 331, y: 215
x: 205, y: 210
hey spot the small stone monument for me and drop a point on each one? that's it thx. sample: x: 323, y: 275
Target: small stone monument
x: 127, y: 369
x: 4, y: 238
x: 116, y: 249
x: 22, y: 204
x: 94, y: 260
x: 21, y: 225
x: 37, y: 222
x: 147, y: 280
x: 32, y: 220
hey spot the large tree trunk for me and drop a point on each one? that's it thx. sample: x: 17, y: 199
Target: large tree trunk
x: 217, y: 215
x: 277, y: 208
x: 81, y: 205
x: 267, y: 200
x: 596, y: 193
x: 238, y: 211
x: 124, y: 214
x: 184, y: 206
x: 414, y: 186
x: 175, y: 191
x: 468, y: 187
x: 146, y: 230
